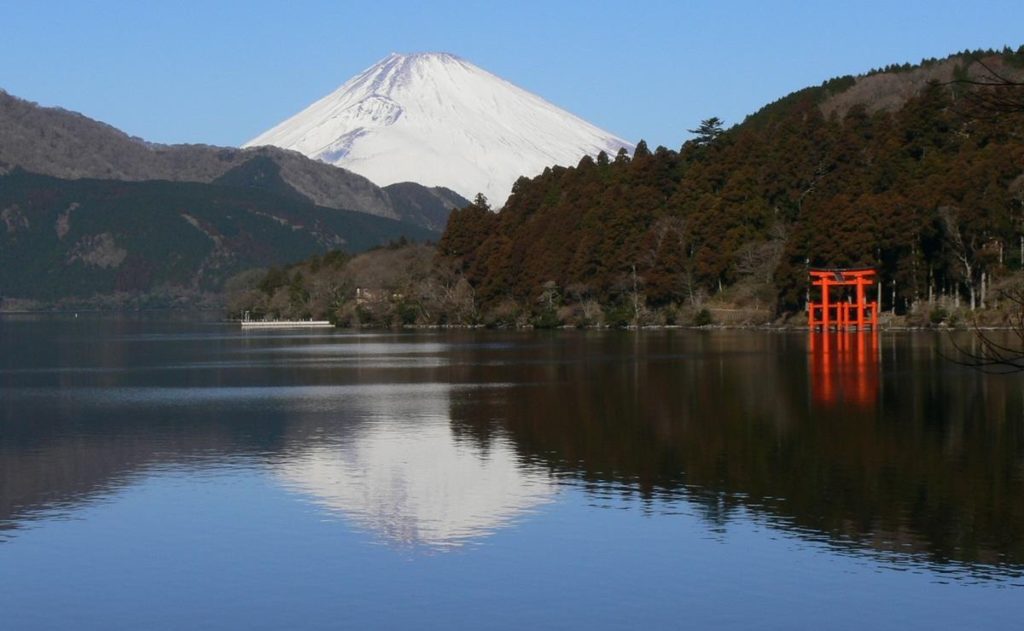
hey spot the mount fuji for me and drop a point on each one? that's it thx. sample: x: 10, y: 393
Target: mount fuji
x: 438, y: 120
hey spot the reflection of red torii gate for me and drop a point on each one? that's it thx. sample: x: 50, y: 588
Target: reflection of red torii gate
x: 845, y: 368
x: 843, y: 315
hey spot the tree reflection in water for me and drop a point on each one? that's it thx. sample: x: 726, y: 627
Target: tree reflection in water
x: 864, y: 442
x: 899, y: 451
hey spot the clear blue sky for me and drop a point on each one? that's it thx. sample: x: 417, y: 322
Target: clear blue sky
x: 221, y: 72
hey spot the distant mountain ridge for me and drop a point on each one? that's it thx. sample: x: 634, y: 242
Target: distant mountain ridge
x: 161, y: 241
x: 68, y: 145
x: 437, y: 119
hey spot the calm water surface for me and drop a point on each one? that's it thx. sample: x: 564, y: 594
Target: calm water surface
x: 165, y: 474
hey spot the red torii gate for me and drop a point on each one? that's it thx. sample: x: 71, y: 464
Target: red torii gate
x: 843, y: 315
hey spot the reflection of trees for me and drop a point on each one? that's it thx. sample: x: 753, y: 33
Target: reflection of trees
x: 1000, y: 352
x: 60, y: 456
x: 78, y: 439
x: 934, y: 468
x: 725, y: 420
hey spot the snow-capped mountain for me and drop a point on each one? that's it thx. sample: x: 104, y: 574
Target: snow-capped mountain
x: 438, y: 120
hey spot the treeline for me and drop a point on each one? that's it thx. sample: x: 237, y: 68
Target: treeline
x: 400, y: 284
x: 1007, y: 54
x: 929, y: 193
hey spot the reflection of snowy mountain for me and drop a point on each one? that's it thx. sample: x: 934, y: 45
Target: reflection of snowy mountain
x: 406, y: 476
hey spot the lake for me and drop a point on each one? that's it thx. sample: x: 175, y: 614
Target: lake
x: 161, y: 472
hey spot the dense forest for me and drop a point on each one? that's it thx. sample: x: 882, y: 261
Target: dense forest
x: 918, y: 172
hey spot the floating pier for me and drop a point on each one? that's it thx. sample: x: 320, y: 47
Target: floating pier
x: 286, y: 324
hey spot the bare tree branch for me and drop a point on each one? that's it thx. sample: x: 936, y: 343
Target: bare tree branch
x: 996, y: 93
x: 992, y: 355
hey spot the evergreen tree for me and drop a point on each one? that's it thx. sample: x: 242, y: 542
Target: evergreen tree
x: 708, y: 131
x: 480, y: 202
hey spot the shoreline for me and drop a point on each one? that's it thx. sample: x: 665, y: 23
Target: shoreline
x: 212, y: 314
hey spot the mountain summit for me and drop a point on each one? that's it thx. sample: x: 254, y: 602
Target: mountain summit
x: 438, y: 120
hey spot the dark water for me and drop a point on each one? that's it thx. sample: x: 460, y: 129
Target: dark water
x: 186, y: 475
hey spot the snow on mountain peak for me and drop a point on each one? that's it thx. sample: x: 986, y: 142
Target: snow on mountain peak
x: 436, y: 119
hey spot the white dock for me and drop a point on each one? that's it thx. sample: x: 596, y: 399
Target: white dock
x: 286, y: 324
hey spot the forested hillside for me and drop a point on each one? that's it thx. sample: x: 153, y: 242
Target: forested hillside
x: 916, y: 171
x: 161, y: 243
